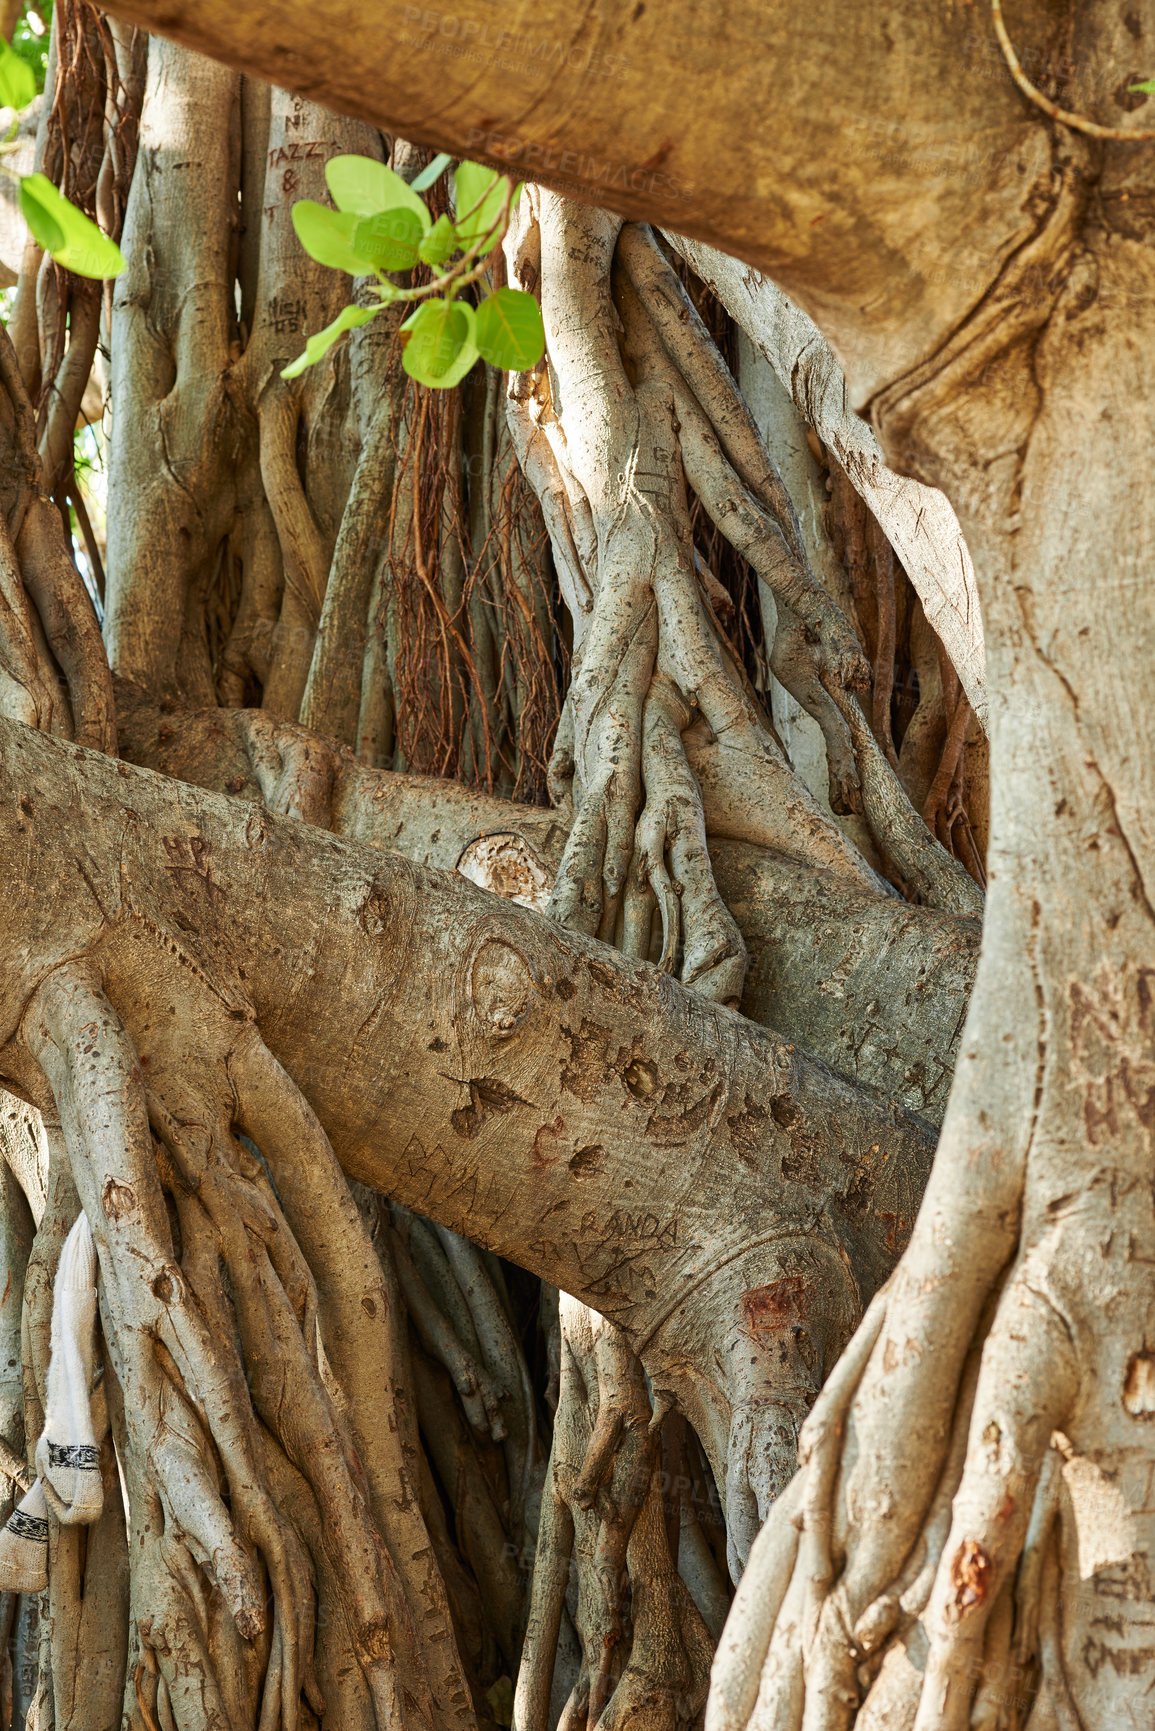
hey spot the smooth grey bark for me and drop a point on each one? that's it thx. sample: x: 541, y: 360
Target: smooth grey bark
x: 876, y: 988
x: 660, y: 1157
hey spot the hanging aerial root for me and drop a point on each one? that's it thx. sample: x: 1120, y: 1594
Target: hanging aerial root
x: 1026, y: 1385
x: 920, y: 860
x: 734, y: 475
x: 645, y: 1646
x: 607, y: 700
x: 726, y: 458
x: 613, y: 493
x: 671, y: 865
x: 792, y: 1553
x: 665, y: 1680
x: 92, y: 1069
x: 917, y: 1484
x: 798, y: 1525
x: 47, y: 620
x: 741, y: 1653
x: 681, y: 445
x: 479, y: 1395
x: 192, y: 1405
x: 500, y: 1352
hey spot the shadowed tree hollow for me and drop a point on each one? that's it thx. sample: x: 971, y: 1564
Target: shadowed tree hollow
x: 575, y: 1012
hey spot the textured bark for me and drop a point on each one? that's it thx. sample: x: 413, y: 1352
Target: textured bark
x: 987, y: 384
x: 664, y: 738
x: 830, y: 965
x: 919, y: 1559
x: 488, y: 1109
x: 919, y: 521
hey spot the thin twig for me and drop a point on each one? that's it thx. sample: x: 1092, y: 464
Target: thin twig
x: 1116, y: 134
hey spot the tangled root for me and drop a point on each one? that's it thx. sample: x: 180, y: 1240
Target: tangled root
x: 272, y: 1576
x: 645, y: 1647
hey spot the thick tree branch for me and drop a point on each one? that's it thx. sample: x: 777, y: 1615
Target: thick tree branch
x: 803, y: 929
x: 657, y: 1156
x: 620, y: 108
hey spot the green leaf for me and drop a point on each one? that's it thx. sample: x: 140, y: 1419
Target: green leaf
x: 439, y: 242
x: 1145, y: 89
x: 479, y: 195
x: 364, y: 187
x: 318, y: 346
x: 433, y: 172
x: 508, y: 330
x: 73, y: 240
x: 327, y: 236
x: 440, y: 348
x: 17, y: 79
x: 390, y: 239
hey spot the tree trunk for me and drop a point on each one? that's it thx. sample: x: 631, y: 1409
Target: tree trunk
x: 604, y: 1075
x: 983, y: 1442
x: 1037, y: 338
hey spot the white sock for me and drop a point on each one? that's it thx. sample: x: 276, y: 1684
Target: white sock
x: 24, y: 1545
x: 68, y: 1455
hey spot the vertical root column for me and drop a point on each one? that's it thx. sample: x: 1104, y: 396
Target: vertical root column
x: 238, y: 1444
x: 608, y: 1512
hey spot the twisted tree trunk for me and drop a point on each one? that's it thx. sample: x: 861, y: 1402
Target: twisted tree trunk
x: 621, y: 1137
x: 1019, y: 381
x: 984, y: 1442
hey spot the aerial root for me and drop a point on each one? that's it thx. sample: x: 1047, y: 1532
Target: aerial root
x: 791, y: 1557
x: 671, y: 866
x: 478, y: 1277
x: 929, y: 873
x: 734, y: 476
x: 746, y: 1638
x: 362, y: 1318
x: 621, y: 865
x: 607, y: 701
x: 1026, y: 1384
x: 812, y: 1645
x: 645, y: 1646
x: 480, y: 1395
x: 217, y: 1385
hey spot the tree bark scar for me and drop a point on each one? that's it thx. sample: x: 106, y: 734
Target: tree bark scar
x: 672, y: 1131
x: 972, y: 1577
x: 1139, y: 1386
x: 188, y: 858
x: 486, y: 1094
x: 502, y: 986
x: 540, y: 1158
x: 117, y: 1199
x: 774, y: 1309
x: 373, y: 914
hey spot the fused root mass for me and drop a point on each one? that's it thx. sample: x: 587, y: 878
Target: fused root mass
x: 210, y: 1030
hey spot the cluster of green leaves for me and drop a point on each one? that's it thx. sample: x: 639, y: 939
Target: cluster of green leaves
x: 17, y: 78
x: 30, y: 39
x: 71, y: 237
x: 382, y: 224
x: 1147, y: 88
